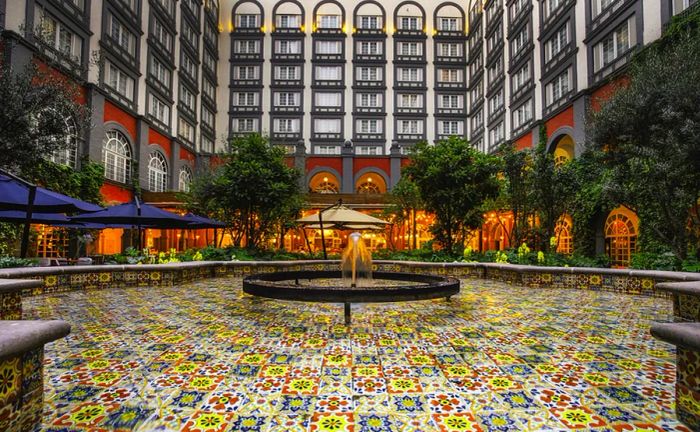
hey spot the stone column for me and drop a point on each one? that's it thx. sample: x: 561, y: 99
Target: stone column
x: 395, y: 155
x: 348, y: 154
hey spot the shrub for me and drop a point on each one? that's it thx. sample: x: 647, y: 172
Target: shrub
x: 10, y: 261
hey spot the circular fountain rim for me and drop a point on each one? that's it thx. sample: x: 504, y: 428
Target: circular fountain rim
x: 428, y: 287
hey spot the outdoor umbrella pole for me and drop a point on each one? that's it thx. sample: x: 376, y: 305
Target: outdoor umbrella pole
x: 323, y: 237
x: 25, y: 233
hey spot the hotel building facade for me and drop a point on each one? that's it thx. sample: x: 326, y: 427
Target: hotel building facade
x: 345, y: 87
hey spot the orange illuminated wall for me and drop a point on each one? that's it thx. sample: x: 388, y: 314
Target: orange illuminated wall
x: 564, y: 118
x: 361, y: 163
x: 155, y: 137
x: 113, y: 193
x: 335, y: 163
x: 118, y: 115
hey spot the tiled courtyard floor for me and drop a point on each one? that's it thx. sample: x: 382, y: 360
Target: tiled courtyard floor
x: 203, y: 357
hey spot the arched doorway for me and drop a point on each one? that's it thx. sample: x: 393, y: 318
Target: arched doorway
x: 324, y: 183
x: 370, y: 183
x: 563, y: 231
x: 621, y: 230
x: 564, y: 150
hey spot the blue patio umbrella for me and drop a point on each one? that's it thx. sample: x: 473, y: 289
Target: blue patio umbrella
x: 201, y: 222
x: 135, y: 214
x: 18, y: 194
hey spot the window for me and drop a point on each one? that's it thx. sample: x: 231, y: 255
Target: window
x: 497, y: 134
x: 164, y: 37
x: 495, y: 71
x: 184, y: 179
x: 68, y: 156
x: 116, y: 157
x: 329, y: 47
x: 157, y: 173
x: 329, y: 73
x: 516, y: 7
x: 286, y: 125
x: 245, y: 72
x: 412, y: 127
x: 207, y: 118
x: 57, y: 36
x: 327, y: 126
x: 159, y: 110
x: 209, y: 61
x: 119, y: 81
x: 475, y: 38
x: 522, y: 115
x: 245, y: 99
x: 410, y: 100
x: 410, y: 23
x: 209, y: 89
x: 288, y: 47
x: 477, y: 120
x: 558, y: 87
x: 518, y: 42
x: 287, y: 99
x: 475, y: 66
x: 327, y: 150
x: 247, y: 21
x: 188, y: 99
x: 557, y: 43
x: 185, y: 130
x: 496, y: 102
x: 521, y: 78
x: 189, y: 66
x: 449, y: 24
x: 450, y: 127
x: 168, y: 6
x: 450, y: 75
x: 247, y: 47
x: 367, y: 187
x: 369, y: 126
x: 368, y: 151
x: 287, y: 72
x: 328, y: 21
x: 245, y: 125
x: 477, y: 93
x: 369, y: 100
x: 370, y: 48
x: 613, y: 45
x: 410, y: 74
x: 325, y: 99
x: 189, y: 35
x: 681, y: 5
x: 492, y: 10
x: 563, y: 232
x: 450, y: 49
x: 369, y: 73
x: 288, y: 21
x: 160, y: 72
x: 598, y: 6
x: 495, y: 39
x: 370, y: 22
x: 119, y: 34
x: 410, y: 48
x: 450, y: 101
x: 551, y: 6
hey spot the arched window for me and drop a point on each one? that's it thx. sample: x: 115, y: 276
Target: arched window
x: 564, y: 151
x: 621, y: 236
x: 324, y: 183
x: 69, y: 155
x: 563, y: 231
x: 368, y: 187
x: 157, y: 172
x: 116, y: 157
x: 184, y: 179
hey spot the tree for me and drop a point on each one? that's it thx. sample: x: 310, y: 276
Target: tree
x: 40, y: 112
x: 253, y: 191
x: 454, y: 180
x: 649, y: 131
x: 405, y: 200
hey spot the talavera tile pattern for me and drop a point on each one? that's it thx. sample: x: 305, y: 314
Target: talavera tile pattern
x: 498, y: 357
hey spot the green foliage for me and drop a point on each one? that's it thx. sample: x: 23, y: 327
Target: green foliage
x: 10, y: 261
x: 33, y: 116
x: 253, y: 191
x: 650, y: 134
x: 454, y: 180
x: 404, y: 200
x: 84, y: 184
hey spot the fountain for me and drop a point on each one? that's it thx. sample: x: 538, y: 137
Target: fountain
x: 354, y: 283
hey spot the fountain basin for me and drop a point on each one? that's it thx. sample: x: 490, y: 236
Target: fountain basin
x: 288, y: 285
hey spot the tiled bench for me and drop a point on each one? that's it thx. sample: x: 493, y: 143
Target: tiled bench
x: 22, y: 372
x: 685, y: 334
